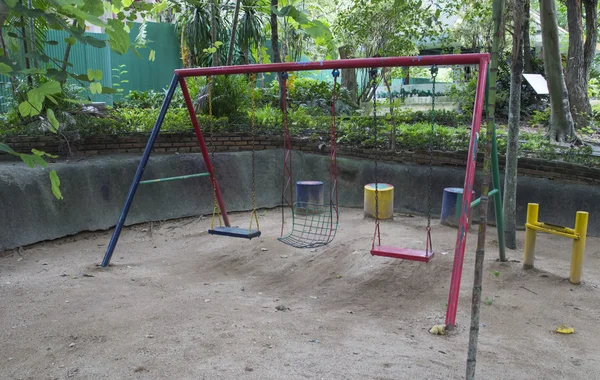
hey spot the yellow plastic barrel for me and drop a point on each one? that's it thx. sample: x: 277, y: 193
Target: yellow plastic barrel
x: 385, y: 195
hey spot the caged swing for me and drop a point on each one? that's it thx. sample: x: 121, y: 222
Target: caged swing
x: 313, y: 225
x: 395, y: 252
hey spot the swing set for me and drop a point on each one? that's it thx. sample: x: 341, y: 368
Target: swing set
x: 315, y: 225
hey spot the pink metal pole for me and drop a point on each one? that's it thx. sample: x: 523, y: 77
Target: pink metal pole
x: 461, y: 237
x: 205, y: 155
x: 440, y: 60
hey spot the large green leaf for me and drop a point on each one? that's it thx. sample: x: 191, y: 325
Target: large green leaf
x: 6, y: 149
x: 5, y: 69
x: 53, y: 121
x: 93, y: 7
x: 55, y: 181
x: 119, y: 38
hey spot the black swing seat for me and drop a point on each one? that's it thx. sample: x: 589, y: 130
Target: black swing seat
x: 235, y: 232
x: 402, y: 253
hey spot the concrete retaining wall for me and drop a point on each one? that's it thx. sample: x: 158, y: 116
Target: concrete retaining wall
x: 95, y: 188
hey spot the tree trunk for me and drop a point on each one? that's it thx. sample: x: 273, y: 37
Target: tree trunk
x: 561, y: 124
x: 349, y: 75
x: 275, y: 48
x: 591, y: 35
x: 497, y: 7
x: 514, y: 119
x: 236, y: 15
x: 527, y: 64
x: 576, y: 77
x: 213, y: 31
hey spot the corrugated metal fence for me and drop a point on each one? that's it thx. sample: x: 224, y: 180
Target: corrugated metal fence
x: 142, y: 74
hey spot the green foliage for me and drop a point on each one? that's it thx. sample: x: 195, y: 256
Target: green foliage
x: 540, y: 118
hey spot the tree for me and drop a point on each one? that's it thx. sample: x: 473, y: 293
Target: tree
x: 275, y: 48
x: 527, y: 62
x: 580, y: 56
x: 384, y: 28
x: 561, y: 121
x: 44, y: 80
x: 514, y: 120
x: 233, y: 36
x: 497, y: 7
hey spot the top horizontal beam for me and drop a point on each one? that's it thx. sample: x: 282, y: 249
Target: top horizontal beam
x: 355, y: 63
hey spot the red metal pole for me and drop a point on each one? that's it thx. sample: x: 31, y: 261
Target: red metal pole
x: 461, y: 237
x: 205, y: 155
x: 440, y: 60
x: 287, y: 158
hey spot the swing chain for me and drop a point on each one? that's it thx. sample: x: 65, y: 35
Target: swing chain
x: 216, y: 211
x: 373, y: 75
x: 253, y: 215
x: 434, y: 72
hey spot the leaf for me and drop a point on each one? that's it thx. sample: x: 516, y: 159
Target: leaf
x: 108, y: 90
x: 152, y: 55
x: 51, y: 88
x: 80, y: 77
x: 55, y: 181
x: 5, y: 69
x: 11, y: 3
x: 25, y: 108
x: 90, y: 74
x: 93, y: 7
x: 562, y: 329
x: 41, y: 154
x: 52, y: 43
x: 96, y: 88
x: 98, y: 75
x: 94, y: 42
x: 53, y: 121
x: 127, y: 3
x: 70, y: 40
x: 6, y: 149
x: 119, y: 38
x: 218, y: 43
x: 28, y: 160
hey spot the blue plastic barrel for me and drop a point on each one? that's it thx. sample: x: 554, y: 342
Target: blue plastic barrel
x: 451, y: 205
x: 309, y: 193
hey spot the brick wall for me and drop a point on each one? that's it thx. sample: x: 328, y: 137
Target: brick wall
x: 187, y: 143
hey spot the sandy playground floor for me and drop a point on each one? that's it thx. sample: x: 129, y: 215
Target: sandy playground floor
x: 181, y: 304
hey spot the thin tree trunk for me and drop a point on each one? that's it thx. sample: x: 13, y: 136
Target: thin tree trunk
x: 497, y: 7
x: 527, y: 63
x: 349, y: 75
x: 233, y: 32
x: 275, y: 48
x: 514, y: 120
x: 561, y: 121
x: 4, y: 10
x: 591, y: 35
x: 576, y: 78
x: 66, y: 59
x: 213, y: 31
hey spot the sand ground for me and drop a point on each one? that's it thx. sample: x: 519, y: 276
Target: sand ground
x: 178, y: 303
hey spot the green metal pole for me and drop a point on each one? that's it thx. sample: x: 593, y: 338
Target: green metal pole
x: 174, y: 178
x: 498, y: 197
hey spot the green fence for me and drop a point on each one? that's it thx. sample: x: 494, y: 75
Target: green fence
x: 142, y: 74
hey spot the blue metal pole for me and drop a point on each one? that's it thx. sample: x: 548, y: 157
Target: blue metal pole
x: 140, y: 171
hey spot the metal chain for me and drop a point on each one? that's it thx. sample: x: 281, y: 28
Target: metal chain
x: 373, y: 74
x: 434, y: 71
x: 253, y: 84
x: 216, y: 210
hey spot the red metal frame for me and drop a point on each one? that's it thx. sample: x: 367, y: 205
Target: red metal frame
x: 356, y: 63
x: 205, y: 155
x: 463, y: 225
x: 460, y: 59
x: 287, y: 161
